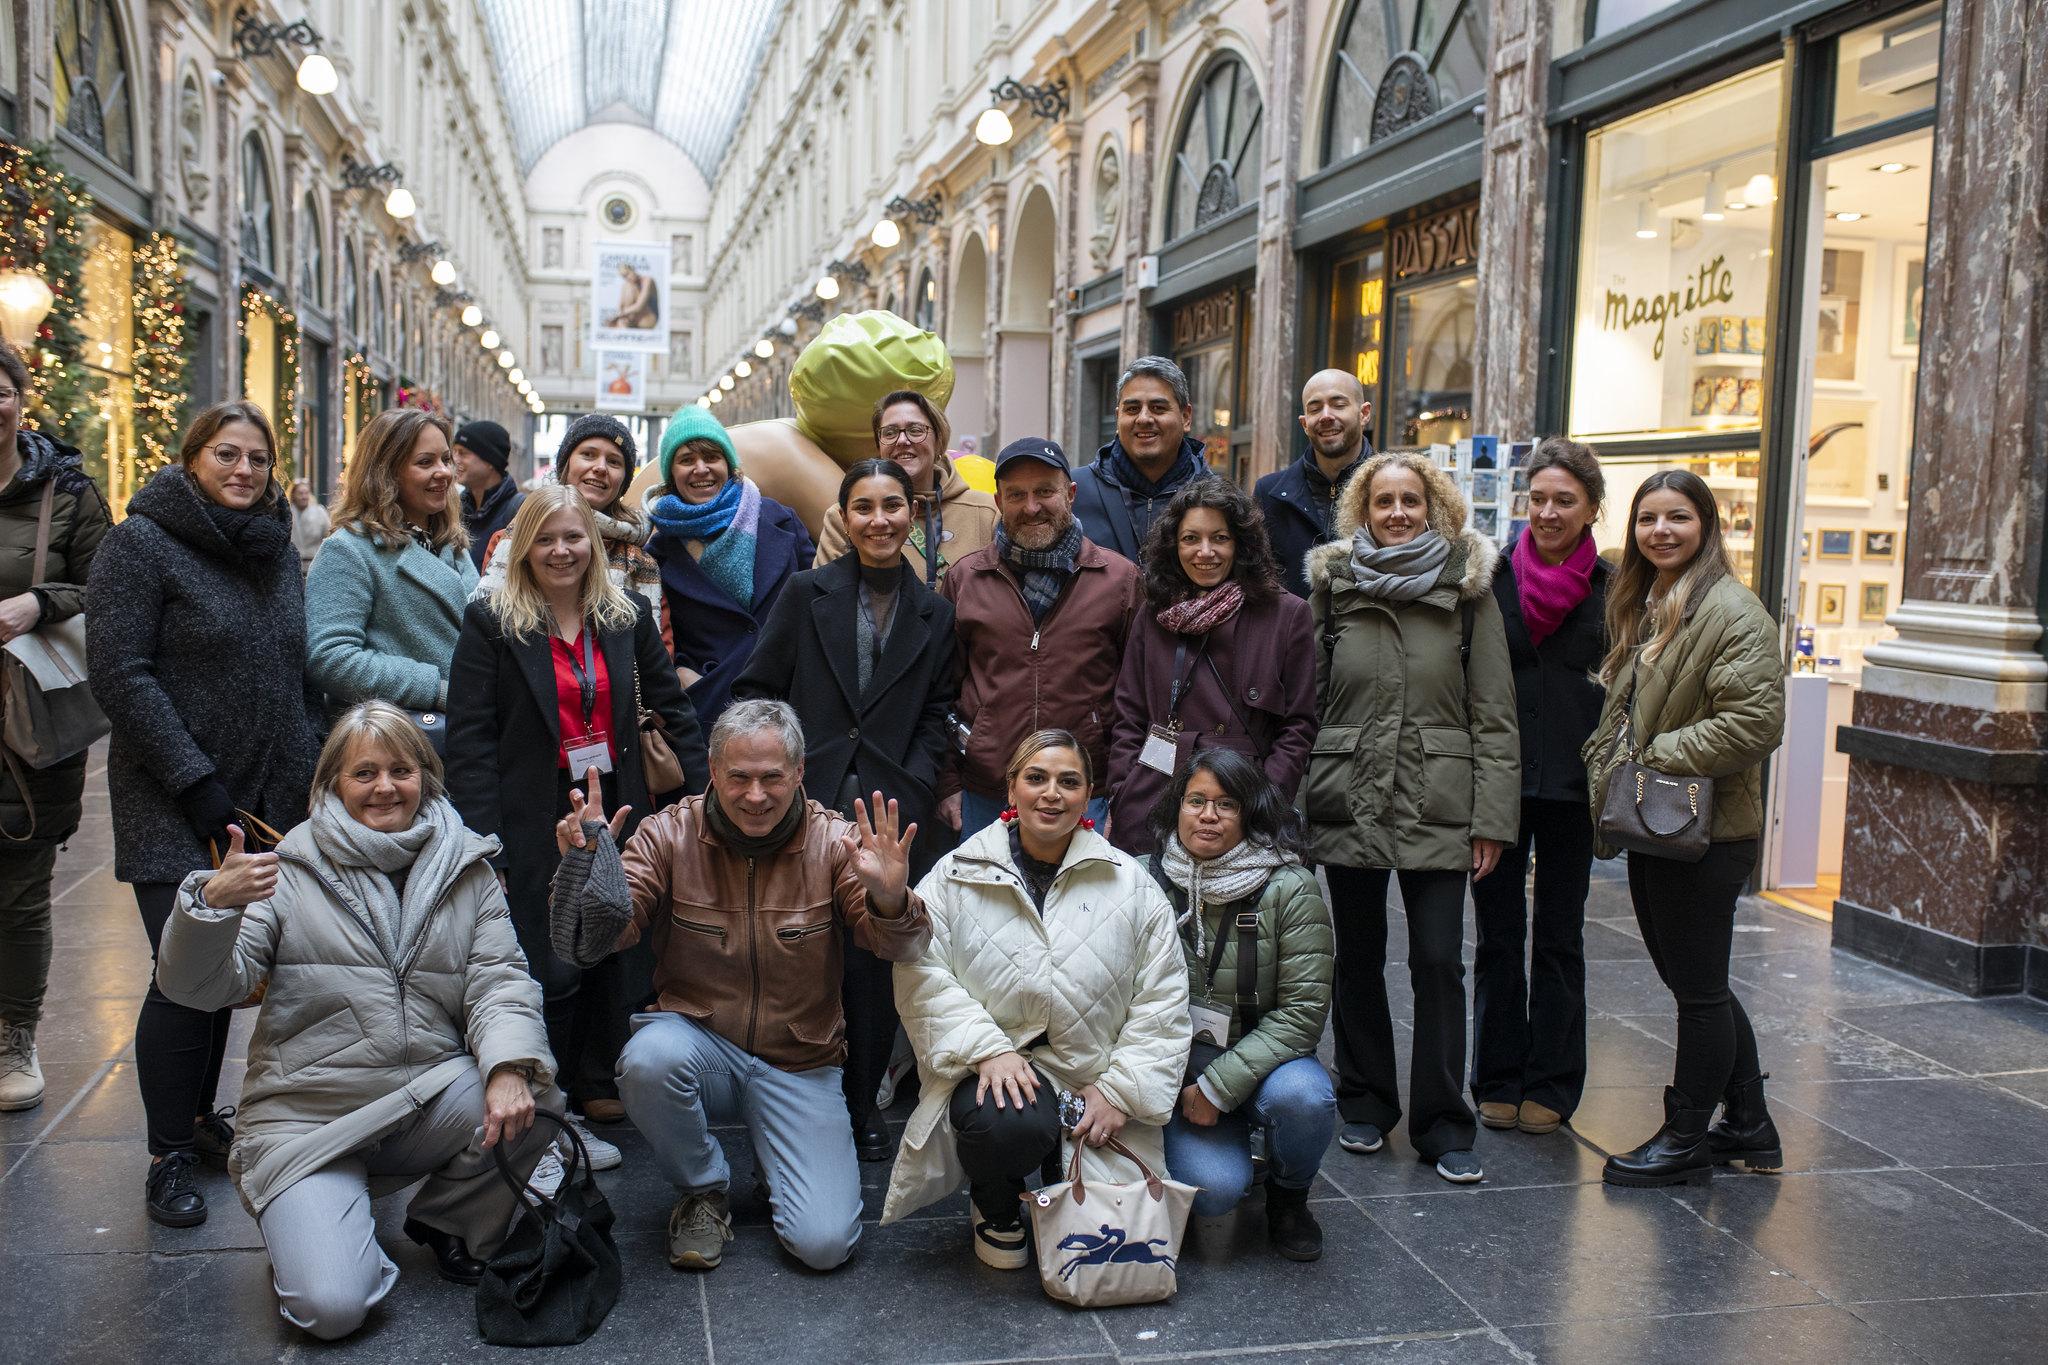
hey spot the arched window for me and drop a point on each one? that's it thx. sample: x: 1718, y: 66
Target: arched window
x: 259, y: 229
x: 312, y: 262
x: 1398, y: 63
x: 90, y: 80
x: 351, y: 301
x: 1216, y: 158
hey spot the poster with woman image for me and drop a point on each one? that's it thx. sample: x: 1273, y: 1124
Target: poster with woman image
x: 629, y: 297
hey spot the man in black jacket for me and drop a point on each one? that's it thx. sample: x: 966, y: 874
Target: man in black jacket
x: 1300, y: 501
x: 1151, y: 459
x: 490, y: 499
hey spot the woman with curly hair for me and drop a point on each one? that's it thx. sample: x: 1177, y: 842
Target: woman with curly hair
x: 1222, y: 659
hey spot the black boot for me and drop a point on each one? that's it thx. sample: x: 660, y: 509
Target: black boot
x: 451, y: 1253
x: 173, y: 1199
x: 1677, y: 1155
x: 1745, y: 1132
x: 1290, y: 1227
x: 872, y: 1140
x: 213, y: 1136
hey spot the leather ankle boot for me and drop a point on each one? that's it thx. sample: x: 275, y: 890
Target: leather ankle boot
x: 1291, y: 1229
x: 1678, y: 1154
x: 1745, y: 1133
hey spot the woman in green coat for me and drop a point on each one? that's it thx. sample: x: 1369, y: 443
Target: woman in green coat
x: 1228, y: 854
x: 1416, y: 773
x: 1695, y: 686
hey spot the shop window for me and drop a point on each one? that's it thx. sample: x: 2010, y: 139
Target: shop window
x: 1216, y: 158
x: 1358, y: 324
x: 258, y: 237
x: 351, y: 300
x: 1209, y: 343
x: 89, y: 80
x: 1429, y: 389
x: 107, y: 323
x: 1575, y: 22
x: 312, y: 261
x: 1886, y: 70
x: 1398, y: 64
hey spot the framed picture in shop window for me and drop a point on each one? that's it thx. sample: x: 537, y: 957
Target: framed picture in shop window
x: 1909, y: 296
x: 1876, y: 601
x: 1832, y: 599
x: 1880, y: 547
x: 1838, y: 319
x: 1839, y: 545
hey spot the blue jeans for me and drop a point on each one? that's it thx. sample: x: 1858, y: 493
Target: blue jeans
x: 1297, y: 1107
x: 977, y: 810
x: 677, y: 1078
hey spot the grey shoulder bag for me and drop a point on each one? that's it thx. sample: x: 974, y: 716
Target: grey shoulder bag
x: 1666, y: 815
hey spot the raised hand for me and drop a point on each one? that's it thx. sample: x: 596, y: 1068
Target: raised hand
x: 243, y: 877
x: 880, y: 853
x: 569, y: 829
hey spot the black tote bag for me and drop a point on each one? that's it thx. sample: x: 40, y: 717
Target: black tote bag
x: 557, y: 1276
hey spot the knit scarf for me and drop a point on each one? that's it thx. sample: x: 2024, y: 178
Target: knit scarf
x: 1237, y: 875
x: 1042, y: 572
x: 257, y: 535
x: 881, y: 590
x: 1397, y: 573
x: 362, y: 859
x: 1550, y: 591
x: 1202, y: 613
x: 729, y: 526
x: 747, y: 845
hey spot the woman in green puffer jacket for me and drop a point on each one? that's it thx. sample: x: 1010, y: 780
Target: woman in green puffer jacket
x: 1228, y: 846
x: 1695, y: 687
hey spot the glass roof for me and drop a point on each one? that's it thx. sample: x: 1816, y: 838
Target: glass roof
x: 683, y: 67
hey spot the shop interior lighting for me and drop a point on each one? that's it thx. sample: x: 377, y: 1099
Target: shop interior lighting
x: 764, y: 348
x: 1849, y: 217
x: 743, y: 369
x: 1713, y: 207
x: 1646, y: 219
x: 1760, y: 190
x: 489, y: 340
x: 472, y: 315
x: 256, y: 39
x: 886, y: 233
x: 1894, y: 168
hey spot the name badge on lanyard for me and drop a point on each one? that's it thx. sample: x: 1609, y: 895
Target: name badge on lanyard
x: 592, y: 748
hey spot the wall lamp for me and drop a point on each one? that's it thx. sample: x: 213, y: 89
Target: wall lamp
x: 1049, y: 101
x: 887, y: 235
x: 254, y: 38
x: 408, y: 252
x: 399, y: 203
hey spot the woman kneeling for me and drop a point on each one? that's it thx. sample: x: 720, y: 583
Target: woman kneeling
x: 398, y: 1019
x: 1260, y: 959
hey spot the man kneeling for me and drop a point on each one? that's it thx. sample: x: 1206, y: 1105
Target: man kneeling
x: 741, y: 892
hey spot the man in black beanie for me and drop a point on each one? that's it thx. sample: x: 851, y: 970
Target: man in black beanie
x: 490, y: 499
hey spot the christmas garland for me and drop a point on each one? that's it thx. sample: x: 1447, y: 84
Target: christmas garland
x: 286, y: 418
x: 42, y: 229
x: 358, y: 389
x: 412, y: 395
x: 160, y: 355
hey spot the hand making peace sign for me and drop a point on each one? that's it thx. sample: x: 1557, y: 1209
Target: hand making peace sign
x: 569, y: 829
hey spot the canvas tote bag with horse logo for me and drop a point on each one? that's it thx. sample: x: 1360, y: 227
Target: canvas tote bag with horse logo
x: 1100, y: 1245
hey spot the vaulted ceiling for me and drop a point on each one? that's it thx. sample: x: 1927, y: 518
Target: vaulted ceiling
x: 682, y: 67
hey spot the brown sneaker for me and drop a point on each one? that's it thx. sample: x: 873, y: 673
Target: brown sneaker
x: 1537, y: 1118
x: 699, y: 1226
x: 604, y: 1111
x: 1495, y: 1114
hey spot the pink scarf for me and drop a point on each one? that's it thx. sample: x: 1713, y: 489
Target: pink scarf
x: 1550, y: 591
x: 1202, y: 613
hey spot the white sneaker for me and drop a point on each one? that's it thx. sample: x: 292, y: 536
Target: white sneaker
x: 547, y: 1176
x: 1001, y: 1249
x: 603, y: 1156
x: 21, y: 1075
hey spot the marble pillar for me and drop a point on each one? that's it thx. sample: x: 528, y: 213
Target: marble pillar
x: 1945, y: 860
x: 1512, y: 217
x: 1276, y: 295
x: 1139, y: 86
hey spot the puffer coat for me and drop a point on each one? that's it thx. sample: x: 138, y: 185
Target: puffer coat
x: 348, y: 1043
x: 1711, y: 704
x: 1098, y: 975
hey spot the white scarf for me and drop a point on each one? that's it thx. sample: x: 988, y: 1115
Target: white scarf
x: 1240, y: 873
x: 435, y: 849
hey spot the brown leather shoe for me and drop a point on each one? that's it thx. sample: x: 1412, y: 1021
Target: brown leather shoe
x: 604, y: 1111
x: 1495, y: 1114
x: 1538, y: 1118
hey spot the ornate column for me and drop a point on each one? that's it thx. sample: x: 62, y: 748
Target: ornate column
x: 1277, y: 285
x: 1140, y: 89
x: 1945, y: 861
x: 1066, y: 273
x: 1512, y: 216
x: 35, y: 45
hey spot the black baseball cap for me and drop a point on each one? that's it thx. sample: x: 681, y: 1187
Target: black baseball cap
x: 1039, y: 448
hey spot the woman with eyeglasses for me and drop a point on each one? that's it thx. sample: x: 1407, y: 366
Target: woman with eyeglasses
x: 953, y: 520
x: 43, y: 484
x: 196, y: 640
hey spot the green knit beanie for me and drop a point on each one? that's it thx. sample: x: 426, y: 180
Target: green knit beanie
x: 694, y: 424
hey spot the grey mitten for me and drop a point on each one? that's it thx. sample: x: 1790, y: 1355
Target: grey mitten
x: 591, y: 903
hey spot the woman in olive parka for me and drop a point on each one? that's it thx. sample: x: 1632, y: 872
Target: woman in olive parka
x: 1416, y: 773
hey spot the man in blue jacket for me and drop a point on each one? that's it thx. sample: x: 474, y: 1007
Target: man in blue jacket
x: 1300, y: 501
x: 1151, y: 459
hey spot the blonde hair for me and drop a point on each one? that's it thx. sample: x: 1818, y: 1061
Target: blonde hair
x: 1633, y: 613
x: 369, y: 491
x: 380, y: 723
x: 1036, y: 743
x: 1444, y: 503
x: 522, y: 608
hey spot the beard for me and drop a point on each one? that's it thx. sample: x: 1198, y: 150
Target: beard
x: 1332, y: 444
x: 1041, y: 535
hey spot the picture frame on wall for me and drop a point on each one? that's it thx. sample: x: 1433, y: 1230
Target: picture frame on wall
x: 1880, y: 547
x: 1838, y: 318
x: 1909, y: 299
x: 1830, y: 600
x: 1875, y: 602
x: 1836, y: 545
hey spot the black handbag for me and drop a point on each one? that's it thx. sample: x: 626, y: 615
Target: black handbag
x: 1666, y: 815
x: 434, y: 725
x: 557, y: 1276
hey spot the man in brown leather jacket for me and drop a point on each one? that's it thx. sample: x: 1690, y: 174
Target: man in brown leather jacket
x: 742, y: 894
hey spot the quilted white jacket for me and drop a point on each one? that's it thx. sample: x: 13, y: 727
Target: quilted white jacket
x: 1099, y: 975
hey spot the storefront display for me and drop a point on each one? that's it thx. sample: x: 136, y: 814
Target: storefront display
x: 1207, y: 338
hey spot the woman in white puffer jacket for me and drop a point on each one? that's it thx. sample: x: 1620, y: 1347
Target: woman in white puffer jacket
x: 1054, y: 973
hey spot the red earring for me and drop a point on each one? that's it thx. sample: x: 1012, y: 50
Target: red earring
x: 1009, y: 814
x: 1086, y: 823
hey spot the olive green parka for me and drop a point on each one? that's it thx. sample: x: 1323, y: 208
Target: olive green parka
x: 1417, y: 756
x: 1711, y: 704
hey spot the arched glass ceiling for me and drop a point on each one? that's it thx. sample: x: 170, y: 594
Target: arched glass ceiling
x: 683, y: 67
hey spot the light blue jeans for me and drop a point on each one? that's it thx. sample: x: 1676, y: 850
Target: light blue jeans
x: 977, y: 811
x: 1297, y: 1107
x: 677, y: 1078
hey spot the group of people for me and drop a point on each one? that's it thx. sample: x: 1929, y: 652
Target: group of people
x: 644, y: 808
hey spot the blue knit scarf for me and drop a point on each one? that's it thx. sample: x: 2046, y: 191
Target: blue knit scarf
x: 729, y: 527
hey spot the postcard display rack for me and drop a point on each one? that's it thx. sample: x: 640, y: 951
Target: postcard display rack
x: 1494, y: 477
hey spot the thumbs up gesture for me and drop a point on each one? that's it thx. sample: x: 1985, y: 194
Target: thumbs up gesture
x: 243, y: 878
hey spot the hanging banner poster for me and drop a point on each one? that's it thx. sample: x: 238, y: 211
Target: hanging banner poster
x: 621, y: 381
x: 629, y: 297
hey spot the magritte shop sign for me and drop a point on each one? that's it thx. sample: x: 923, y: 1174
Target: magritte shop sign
x: 1428, y: 246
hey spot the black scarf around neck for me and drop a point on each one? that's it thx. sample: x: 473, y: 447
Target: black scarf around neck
x: 746, y: 845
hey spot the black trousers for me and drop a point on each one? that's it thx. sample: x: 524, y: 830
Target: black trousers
x: 1687, y: 914
x: 1368, y: 1088
x: 1529, y: 1028
x: 178, y: 1051
x: 867, y: 992
x: 999, y: 1147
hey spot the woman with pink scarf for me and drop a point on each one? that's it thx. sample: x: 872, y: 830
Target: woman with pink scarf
x: 1529, y: 1045
x: 1223, y: 659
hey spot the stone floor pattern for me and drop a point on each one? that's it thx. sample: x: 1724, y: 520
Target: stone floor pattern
x: 1911, y: 1222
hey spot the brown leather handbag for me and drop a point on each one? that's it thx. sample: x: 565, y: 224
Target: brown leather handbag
x: 1666, y: 815
x: 658, y: 762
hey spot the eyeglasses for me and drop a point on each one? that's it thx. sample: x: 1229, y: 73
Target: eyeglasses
x: 227, y: 457
x: 916, y: 431
x: 1226, y: 807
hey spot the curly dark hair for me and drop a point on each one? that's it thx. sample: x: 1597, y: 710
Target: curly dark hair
x: 1269, y: 818
x: 1253, y: 565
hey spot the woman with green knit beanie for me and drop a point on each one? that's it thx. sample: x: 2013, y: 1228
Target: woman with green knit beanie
x: 725, y: 552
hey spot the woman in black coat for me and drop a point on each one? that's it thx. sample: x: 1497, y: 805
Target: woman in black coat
x: 518, y: 698
x: 864, y: 652
x: 1529, y: 1045
x: 196, y: 643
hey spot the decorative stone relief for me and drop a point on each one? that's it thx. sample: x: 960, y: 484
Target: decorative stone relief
x: 1108, y: 192
x: 192, y: 145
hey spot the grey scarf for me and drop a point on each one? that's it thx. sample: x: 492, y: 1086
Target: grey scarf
x: 1397, y: 573
x: 1238, y: 874
x: 362, y: 859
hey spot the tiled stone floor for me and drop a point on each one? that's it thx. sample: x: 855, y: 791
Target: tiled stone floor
x: 1911, y: 1222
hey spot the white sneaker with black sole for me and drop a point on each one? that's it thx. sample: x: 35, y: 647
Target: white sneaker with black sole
x: 999, y: 1248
